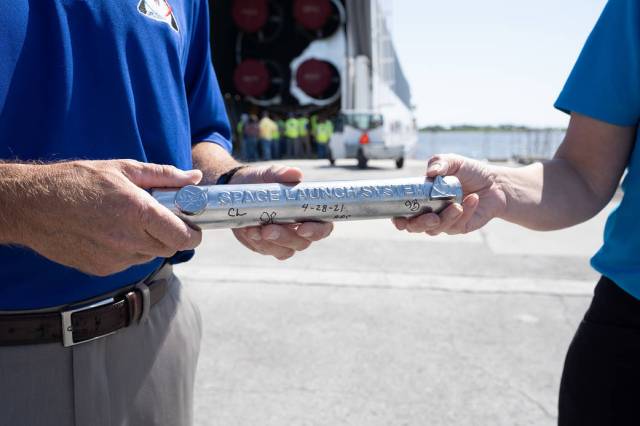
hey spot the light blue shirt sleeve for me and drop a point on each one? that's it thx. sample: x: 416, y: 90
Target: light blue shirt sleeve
x: 605, y: 82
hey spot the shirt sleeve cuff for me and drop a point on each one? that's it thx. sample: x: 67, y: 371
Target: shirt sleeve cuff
x: 216, y: 138
x: 598, y: 113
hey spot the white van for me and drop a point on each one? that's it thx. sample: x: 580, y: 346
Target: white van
x: 365, y: 135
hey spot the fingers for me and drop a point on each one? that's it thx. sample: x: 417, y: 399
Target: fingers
x: 159, y: 176
x: 469, y: 206
x: 284, y: 237
x: 166, y: 233
x: 252, y: 239
x: 269, y: 249
x: 166, y: 227
x: 400, y: 223
x: 446, y: 219
x: 282, y: 241
x: 140, y: 242
x: 423, y: 223
x: 431, y: 223
x: 417, y: 225
x: 453, y: 220
x: 150, y: 246
x: 313, y: 231
x: 253, y: 233
x: 444, y: 165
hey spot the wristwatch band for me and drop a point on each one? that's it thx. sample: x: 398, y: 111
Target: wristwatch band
x: 225, y: 178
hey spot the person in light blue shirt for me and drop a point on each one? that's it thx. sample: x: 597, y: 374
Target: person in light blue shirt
x: 601, y: 379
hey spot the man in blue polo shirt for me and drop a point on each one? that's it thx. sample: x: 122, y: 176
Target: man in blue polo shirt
x: 600, y: 383
x: 101, y: 100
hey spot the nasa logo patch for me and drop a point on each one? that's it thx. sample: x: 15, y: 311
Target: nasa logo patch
x: 191, y: 200
x: 159, y: 10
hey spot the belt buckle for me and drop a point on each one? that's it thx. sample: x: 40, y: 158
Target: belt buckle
x: 67, y: 326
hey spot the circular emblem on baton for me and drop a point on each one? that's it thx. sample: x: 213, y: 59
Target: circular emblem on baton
x: 191, y: 200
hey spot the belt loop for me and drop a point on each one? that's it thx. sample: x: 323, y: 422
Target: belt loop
x: 146, y: 301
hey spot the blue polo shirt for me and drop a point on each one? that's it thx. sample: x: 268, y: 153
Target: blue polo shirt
x: 605, y: 85
x: 100, y: 79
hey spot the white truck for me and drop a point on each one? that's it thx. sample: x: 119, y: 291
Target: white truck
x: 365, y: 135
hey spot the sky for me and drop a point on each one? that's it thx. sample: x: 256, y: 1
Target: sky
x: 490, y: 61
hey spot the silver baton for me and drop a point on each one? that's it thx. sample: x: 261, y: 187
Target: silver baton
x: 236, y: 206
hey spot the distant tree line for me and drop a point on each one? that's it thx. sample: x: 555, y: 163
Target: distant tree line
x: 476, y: 128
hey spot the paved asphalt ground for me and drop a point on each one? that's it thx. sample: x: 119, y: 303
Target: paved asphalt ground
x: 376, y: 327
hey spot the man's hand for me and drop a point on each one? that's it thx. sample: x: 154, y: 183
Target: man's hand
x: 484, y: 198
x: 279, y: 241
x: 94, y: 215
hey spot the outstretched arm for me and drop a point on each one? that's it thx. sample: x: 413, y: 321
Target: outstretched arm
x: 569, y: 189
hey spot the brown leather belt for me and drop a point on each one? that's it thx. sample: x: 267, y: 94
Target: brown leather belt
x: 88, y: 321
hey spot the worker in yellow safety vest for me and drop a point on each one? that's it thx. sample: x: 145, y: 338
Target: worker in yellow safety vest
x: 324, y: 132
x: 275, y: 143
x: 268, y: 129
x: 303, y: 148
x: 291, y: 133
x: 314, y: 126
x: 282, y: 140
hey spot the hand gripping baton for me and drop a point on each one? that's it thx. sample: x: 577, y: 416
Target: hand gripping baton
x: 237, y: 206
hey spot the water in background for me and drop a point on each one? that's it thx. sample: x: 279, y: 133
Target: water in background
x: 522, y: 146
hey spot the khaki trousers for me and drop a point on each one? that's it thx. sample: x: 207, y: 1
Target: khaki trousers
x: 141, y: 376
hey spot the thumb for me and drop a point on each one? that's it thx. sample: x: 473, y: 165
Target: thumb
x: 149, y: 176
x: 282, y: 175
x: 444, y: 165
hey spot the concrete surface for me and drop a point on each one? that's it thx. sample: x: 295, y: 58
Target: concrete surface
x: 376, y: 327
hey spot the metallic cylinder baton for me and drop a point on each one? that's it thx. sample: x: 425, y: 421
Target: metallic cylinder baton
x: 237, y: 206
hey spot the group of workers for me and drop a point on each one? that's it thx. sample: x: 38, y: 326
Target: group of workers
x: 270, y: 138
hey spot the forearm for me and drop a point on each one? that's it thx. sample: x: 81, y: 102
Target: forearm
x: 212, y: 160
x: 14, y: 185
x: 24, y: 189
x: 548, y: 196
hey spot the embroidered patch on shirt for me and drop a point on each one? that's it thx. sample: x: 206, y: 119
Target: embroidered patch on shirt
x: 159, y: 10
